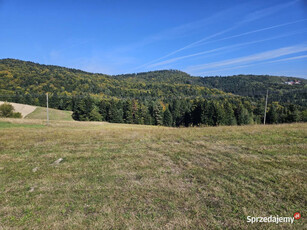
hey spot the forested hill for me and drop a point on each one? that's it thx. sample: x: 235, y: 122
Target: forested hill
x: 282, y: 89
x: 28, y: 77
x: 166, y: 97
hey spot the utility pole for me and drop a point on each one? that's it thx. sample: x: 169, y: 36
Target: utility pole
x: 266, y: 104
x: 47, y: 109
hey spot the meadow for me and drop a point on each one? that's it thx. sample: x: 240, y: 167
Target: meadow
x: 54, y: 114
x: 119, y: 176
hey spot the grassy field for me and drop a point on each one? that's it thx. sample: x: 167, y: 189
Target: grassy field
x: 117, y: 176
x: 54, y: 114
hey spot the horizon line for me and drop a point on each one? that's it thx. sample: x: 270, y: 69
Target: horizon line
x: 157, y: 70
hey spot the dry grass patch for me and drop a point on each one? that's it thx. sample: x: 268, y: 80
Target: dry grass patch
x: 117, y: 176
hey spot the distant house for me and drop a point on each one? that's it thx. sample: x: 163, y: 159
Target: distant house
x: 295, y: 82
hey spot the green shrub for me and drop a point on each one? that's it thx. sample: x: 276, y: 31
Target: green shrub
x: 17, y: 115
x: 7, y: 110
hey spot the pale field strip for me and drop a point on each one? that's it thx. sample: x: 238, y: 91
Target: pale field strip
x: 21, y: 108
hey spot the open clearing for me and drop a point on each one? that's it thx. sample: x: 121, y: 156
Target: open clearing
x: 54, y: 114
x: 118, y: 176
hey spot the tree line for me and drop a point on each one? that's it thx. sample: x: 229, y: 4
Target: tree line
x: 166, y: 97
x: 211, y: 111
x: 183, y: 112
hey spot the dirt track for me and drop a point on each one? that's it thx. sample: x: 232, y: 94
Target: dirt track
x: 21, y: 108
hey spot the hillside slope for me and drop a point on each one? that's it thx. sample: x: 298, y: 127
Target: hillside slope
x: 54, y: 114
x: 280, y: 88
x: 28, y: 77
x: 166, y: 97
x: 119, y: 176
x: 37, y: 112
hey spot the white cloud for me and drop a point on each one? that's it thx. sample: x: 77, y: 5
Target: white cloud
x: 251, y: 58
x: 268, y: 11
x: 219, y: 49
x: 207, y: 73
x: 289, y: 59
x: 248, y: 18
x: 255, y: 31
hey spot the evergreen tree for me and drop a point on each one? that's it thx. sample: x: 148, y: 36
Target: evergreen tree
x: 174, y: 109
x: 115, y: 112
x: 95, y: 115
x: 229, y: 115
x: 206, y: 118
x: 167, y: 118
x: 187, y: 119
x: 272, y: 116
x: 61, y: 104
x: 242, y: 115
x: 158, y: 114
x: 142, y: 115
x: 258, y: 112
x: 79, y: 111
x: 127, y: 112
x: 304, y: 116
x: 89, y: 105
x: 104, y: 110
x: 54, y: 100
x: 185, y: 113
x: 28, y: 99
x: 135, y: 114
x: 293, y: 114
x: 196, y: 114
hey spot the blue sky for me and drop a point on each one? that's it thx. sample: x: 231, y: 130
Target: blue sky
x: 202, y: 38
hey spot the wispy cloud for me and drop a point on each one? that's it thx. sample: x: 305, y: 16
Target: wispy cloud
x: 289, y: 59
x: 177, y: 31
x: 268, y: 11
x: 214, y: 51
x: 186, y: 47
x: 255, y: 31
x: 254, y: 64
x: 251, y: 58
x: 187, y: 56
x: 184, y: 29
x: 248, y: 18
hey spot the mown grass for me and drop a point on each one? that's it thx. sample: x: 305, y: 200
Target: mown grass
x: 54, y: 114
x: 5, y: 124
x: 117, y: 176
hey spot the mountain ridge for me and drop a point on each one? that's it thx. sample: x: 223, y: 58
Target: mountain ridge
x: 164, y: 97
x: 27, y: 70
x: 151, y: 71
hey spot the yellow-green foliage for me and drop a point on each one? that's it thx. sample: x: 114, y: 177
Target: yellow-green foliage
x: 34, y: 79
x: 7, y: 110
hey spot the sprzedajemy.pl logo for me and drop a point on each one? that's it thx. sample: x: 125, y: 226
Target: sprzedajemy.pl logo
x: 273, y: 219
